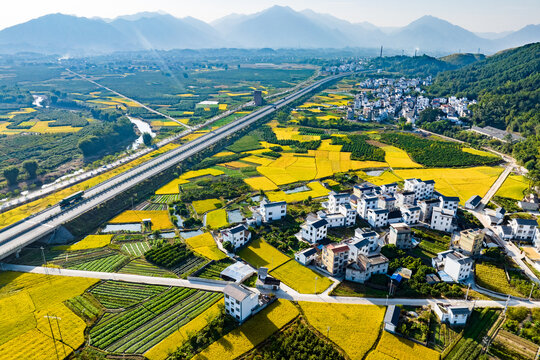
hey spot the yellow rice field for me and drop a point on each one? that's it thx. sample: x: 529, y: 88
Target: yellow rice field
x: 301, y: 278
x: 23, y: 211
x: 162, y: 350
x: 202, y: 206
x: 205, y: 245
x: 386, y: 177
x: 173, y: 186
x: 316, y: 190
x: 398, y: 158
x: 89, y: 242
x: 396, y: 347
x: 160, y: 123
x: 461, y: 182
x: 251, y: 333
x: 160, y: 218
x: 514, y: 187
x: 217, y: 219
x: 259, y: 253
x: 261, y: 183
x: 354, y: 328
x: 478, y: 152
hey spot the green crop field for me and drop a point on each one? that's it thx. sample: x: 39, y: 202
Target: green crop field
x: 117, y: 294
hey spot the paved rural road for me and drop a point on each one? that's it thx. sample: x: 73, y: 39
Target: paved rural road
x: 284, y: 293
x: 15, y: 237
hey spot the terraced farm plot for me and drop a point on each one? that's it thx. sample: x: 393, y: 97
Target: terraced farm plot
x: 514, y: 187
x: 203, y: 206
x: 461, y: 182
x: 189, y: 265
x: 250, y: 334
x: 259, y: 253
x: 137, y: 330
x: 205, y: 245
x: 173, y: 186
x: 117, y: 294
x: 32, y: 297
x: 136, y: 248
x: 160, y: 219
x: 395, y: 347
x: 217, y: 219
x: 493, y: 278
x: 386, y: 177
x: 162, y: 350
x: 107, y: 264
x: 89, y: 242
x: 141, y: 267
x: 165, y: 199
x: 261, y: 183
x: 213, y: 271
x: 316, y: 190
x: 301, y: 278
x: 354, y: 328
x: 397, y: 158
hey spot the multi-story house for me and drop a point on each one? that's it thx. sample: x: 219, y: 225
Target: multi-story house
x: 410, y: 214
x: 272, y: 211
x: 377, y: 217
x: 238, y: 236
x: 314, y: 229
x: 335, y: 257
x: 365, y: 266
x: 366, y: 203
x: 422, y: 189
x: 523, y: 229
x: 400, y: 234
x: 441, y: 219
x: 405, y: 198
x: 449, y: 203
x: 239, y: 301
x: 426, y: 209
x: 470, y: 241
x: 458, y: 266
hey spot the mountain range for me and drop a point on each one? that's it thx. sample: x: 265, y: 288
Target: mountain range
x: 275, y: 27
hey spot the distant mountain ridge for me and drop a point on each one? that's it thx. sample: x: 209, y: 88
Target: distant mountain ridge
x: 275, y: 27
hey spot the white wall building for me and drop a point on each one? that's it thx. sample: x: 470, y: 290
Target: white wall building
x: 441, y: 219
x: 422, y: 189
x: 367, y: 203
x: 389, y: 189
x: 449, y: 203
x: 523, y: 229
x: 453, y: 315
x: 239, y: 301
x: 314, y: 230
x: 365, y: 266
x: 272, y: 211
x: 426, y: 209
x: 306, y: 256
x: 334, y: 200
x: 410, y: 214
x: 405, y: 198
x: 238, y: 236
x: 458, y: 266
x: 377, y: 217
x: 536, y: 239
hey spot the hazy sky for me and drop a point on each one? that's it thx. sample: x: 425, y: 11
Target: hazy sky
x: 474, y: 15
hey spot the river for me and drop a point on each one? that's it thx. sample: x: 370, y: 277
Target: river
x: 143, y: 127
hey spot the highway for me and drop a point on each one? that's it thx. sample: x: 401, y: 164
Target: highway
x: 15, y: 237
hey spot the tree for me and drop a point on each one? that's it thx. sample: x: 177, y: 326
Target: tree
x: 30, y: 166
x: 11, y: 173
x: 147, y: 139
x: 156, y: 234
x: 228, y: 246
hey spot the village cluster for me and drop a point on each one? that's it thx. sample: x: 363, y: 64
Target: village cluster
x: 387, y: 98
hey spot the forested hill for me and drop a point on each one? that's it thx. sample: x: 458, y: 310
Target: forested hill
x: 507, y: 86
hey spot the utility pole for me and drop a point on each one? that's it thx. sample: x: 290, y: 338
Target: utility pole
x: 467, y: 294
x: 506, y: 304
x: 44, y: 260
x: 316, y: 278
x: 532, y: 287
x: 381, y: 52
x: 52, y: 335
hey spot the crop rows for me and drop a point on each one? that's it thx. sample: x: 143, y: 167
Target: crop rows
x: 152, y: 206
x: 128, y: 237
x: 141, y: 267
x: 84, y: 307
x: 108, y: 264
x: 166, y: 199
x: 154, y: 331
x: 213, y: 271
x: 129, y: 328
x: 117, y: 294
x: 168, y: 255
x: 190, y: 265
x: 136, y: 248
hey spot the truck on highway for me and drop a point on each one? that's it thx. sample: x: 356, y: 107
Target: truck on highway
x: 72, y: 199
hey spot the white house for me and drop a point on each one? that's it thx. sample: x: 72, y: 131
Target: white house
x: 473, y: 202
x: 523, y: 229
x: 410, y: 214
x: 449, y: 203
x: 306, y: 256
x: 272, y: 211
x: 369, y: 235
x: 422, y: 189
x: 365, y: 266
x: 238, y: 236
x: 389, y: 189
x: 386, y: 202
x: 536, y: 240
x: 458, y: 266
x: 239, y: 301
x: 345, y: 216
x: 377, y: 217
x: 366, y: 203
x: 426, y: 209
x: 400, y: 234
x: 314, y: 229
x: 453, y: 315
x: 405, y: 198
x: 441, y: 219
x: 334, y: 200
x: 363, y: 190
